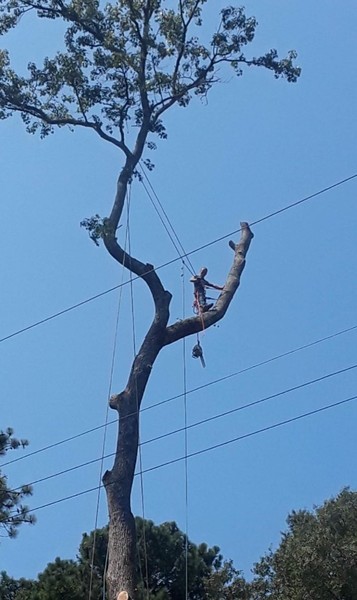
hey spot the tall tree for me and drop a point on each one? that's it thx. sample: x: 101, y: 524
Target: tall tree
x: 128, y: 62
x: 317, y: 556
x: 12, y: 511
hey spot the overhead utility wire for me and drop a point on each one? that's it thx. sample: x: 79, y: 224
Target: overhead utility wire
x: 208, y: 449
x: 145, y: 408
x: 252, y: 433
x: 170, y: 262
x: 198, y: 423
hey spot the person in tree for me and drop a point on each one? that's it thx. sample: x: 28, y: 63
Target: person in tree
x: 200, y: 284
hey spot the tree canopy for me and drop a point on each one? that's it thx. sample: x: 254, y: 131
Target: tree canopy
x: 125, y: 62
x: 209, y: 575
x: 12, y: 511
x: 317, y: 556
x: 316, y: 559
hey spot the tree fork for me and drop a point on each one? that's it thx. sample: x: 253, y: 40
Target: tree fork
x: 122, y: 573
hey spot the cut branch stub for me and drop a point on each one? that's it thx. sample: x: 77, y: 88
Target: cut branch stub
x: 114, y: 401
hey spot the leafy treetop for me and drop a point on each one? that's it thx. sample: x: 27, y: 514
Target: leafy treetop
x: 125, y: 63
x: 317, y: 556
x: 209, y: 576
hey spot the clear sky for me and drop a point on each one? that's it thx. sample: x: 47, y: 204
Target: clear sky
x: 257, y: 145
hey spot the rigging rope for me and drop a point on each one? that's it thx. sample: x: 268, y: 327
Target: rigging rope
x: 197, y: 351
x: 186, y: 431
x: 137, y: 411
x: 180, y: 250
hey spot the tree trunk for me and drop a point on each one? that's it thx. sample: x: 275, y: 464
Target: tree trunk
x: 122, y: 572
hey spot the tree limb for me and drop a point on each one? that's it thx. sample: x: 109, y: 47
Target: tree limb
x: 193, y: 325
x: 41, y: 114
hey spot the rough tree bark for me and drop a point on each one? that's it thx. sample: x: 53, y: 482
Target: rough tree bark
x: 121, y: 574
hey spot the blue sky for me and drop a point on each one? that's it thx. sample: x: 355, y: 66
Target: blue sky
x: 257, y: 145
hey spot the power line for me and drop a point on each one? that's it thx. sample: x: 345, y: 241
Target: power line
x: 191, y: 391
x: 198, y: 423
x: 208, y: 449
x: 252, y: 433
x: 170, y: 262
x: 326, y: 189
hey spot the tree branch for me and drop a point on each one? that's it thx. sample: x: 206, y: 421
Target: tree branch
x: 70, y: 14
x: 193, y: 325
x: 186, y: 25
x: 169, y: 101
x: 35, y: 111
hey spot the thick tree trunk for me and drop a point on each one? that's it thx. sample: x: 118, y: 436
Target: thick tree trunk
x: 121, y: 574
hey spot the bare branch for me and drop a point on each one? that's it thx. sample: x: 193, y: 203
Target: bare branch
x: 193, y: 325
x: 35, y: 111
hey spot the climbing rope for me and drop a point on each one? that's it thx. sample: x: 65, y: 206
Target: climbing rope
x: 184, y: 376
x: 146, y: 582
x: 168, y: 226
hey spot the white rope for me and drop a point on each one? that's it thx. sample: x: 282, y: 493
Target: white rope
x: 184, y: 370
x: 137, y: 408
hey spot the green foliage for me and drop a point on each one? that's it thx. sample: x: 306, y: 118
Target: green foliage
x: 316, y: 559
x: 60, y: 579
x: 163, y: 558
x: 99, y: 561
x: 317, y: 556
x: 14, y: 589
x: 95, y: 227
x: 123, y: 65
x: 12, y: 511
x: 8, y: 442
x: 209, y: 576
x: 165, y: 552
x: 125, y: 62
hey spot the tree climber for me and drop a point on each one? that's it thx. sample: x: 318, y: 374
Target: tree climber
x: 200, y: 284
